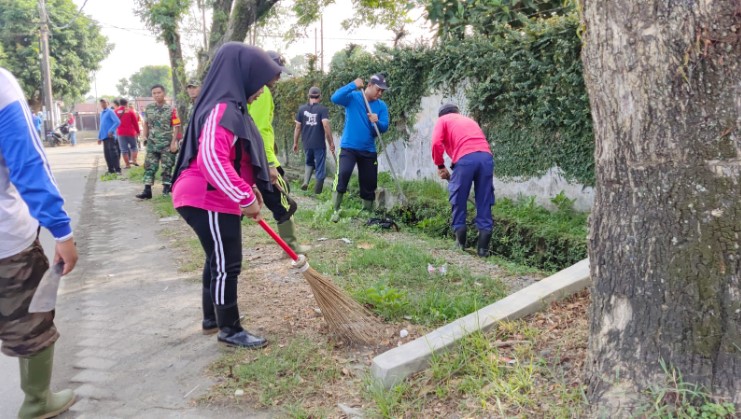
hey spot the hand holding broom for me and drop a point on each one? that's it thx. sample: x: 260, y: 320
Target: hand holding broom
x: 345, y: 316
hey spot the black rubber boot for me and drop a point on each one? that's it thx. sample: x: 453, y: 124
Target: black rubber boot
x: 166, y: 190
x: 483, y: 245
x: 231, y: 332
x: 460, y: 237
x: 319, y: 186
x: 146, y: 193
x: 308, y: 170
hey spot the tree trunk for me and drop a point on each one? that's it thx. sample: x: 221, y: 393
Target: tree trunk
x: 172, y: 40
x: 665, y: 90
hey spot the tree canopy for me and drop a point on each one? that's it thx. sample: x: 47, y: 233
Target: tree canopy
x: 141, y: 82
x: 76, y: 45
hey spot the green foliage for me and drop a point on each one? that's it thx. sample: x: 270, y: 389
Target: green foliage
x: 487, y: 17
x: 141, y: 82
x: 680, y: 399
x: 75, y: 50
x: 524, y: 87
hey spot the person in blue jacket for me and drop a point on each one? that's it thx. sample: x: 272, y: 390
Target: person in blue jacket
x: 29, y: 199
x: 358, y: 145
x: 109, y: 122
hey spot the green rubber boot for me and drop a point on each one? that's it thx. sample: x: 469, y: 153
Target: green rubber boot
x: 287, y: 231
x: 336, y: 202
x: 41, y: 403
x: 367, y: 205
x: 308, y: 170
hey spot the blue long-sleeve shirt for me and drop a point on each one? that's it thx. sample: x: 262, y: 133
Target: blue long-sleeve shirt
x: 108, y: 124
x: 359, y: 133
x: 28, y: 192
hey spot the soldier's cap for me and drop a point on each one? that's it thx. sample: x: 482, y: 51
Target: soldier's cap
x: 193, y: 83
x: 315, y: 93
x: 379, y: 80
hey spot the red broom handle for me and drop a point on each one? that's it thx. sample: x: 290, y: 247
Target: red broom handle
x: 278, y: 239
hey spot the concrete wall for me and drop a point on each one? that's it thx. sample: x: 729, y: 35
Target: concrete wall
x: 412, y: 160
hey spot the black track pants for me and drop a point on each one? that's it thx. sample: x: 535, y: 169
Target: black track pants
x: 221, y: 238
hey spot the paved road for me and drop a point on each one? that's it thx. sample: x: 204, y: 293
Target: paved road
x: 130, y: 324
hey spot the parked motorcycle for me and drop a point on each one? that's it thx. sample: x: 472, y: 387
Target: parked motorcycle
x: 58, y: 136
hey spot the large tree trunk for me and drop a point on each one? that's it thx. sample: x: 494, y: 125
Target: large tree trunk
x: 664, y: 81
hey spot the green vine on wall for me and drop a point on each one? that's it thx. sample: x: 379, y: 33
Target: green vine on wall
x: 524, y: 86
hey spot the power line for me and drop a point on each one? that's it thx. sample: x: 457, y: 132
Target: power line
x: 71, y: 20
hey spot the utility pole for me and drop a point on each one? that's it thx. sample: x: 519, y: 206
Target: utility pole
x: 321, y: 25
x: 45, y: 69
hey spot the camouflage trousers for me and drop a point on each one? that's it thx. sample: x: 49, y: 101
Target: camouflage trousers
x: 22, y: 333
x: 154, y: 158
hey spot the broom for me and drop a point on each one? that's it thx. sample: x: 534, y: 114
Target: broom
x: 345, y: 316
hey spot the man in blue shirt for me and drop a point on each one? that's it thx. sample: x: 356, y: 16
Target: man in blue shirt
x: 37, y: 122
x: 29, y: 198
x: 358, y: 145
x: 109, y: 122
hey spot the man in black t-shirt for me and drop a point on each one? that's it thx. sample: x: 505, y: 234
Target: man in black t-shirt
x: 312, y: 123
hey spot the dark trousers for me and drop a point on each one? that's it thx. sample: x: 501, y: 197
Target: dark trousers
x: 367, y: 162
x: 221, y: 238
x: 111, y: 153
x: 477, y: 169
x: 273, y: 199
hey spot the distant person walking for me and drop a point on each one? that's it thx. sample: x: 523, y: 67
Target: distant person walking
x: 72, y: 127
x: 128, y: 132
x: 109, y: 122
x: 161, y: 131
x: 37, y: 121
x: 358, y: 143
x: 29, y: 199
x: 462, y: 139
x: 312, y: 125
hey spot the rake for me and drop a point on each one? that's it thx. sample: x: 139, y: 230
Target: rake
x: 344, y: 316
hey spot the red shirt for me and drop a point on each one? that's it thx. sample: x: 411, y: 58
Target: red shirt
x: 129, y: 122
x: 457, y: 135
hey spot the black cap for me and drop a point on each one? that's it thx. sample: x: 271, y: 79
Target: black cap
x: 379, y: 80
x: 448, y: 108
x: 314, y: 92
x: 279, y: 60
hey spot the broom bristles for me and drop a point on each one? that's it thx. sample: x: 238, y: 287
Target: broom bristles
x: 344, y: 316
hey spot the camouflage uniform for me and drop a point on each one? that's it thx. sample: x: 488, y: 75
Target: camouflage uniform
x: 22, y: 333
x: 160, y: 120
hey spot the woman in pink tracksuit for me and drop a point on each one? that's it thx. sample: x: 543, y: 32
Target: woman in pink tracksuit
x: 221, y: 157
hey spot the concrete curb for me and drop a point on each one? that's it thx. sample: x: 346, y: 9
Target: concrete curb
x: 396, y: 364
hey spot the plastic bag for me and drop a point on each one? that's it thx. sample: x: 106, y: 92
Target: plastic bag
x: 45, y: 297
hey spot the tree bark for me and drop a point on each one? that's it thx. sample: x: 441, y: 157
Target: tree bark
x: 665, y: 91
x: 174, y: 48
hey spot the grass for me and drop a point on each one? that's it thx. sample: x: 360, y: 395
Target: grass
x: 482, y: 377
x: 280, y: 375
x: 106, y: 177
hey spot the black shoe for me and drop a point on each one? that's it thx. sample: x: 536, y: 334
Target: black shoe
x: 146, y: 193
x: 483, y: 244
x: 241, y: 339
x: 166, y: 190
x: 209, y: 326
x: 304, y: 186
x: 460, y: 238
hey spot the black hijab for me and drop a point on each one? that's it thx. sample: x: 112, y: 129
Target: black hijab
x: 237, y: 72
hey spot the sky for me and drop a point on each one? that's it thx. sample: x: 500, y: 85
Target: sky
x: 135, y: 46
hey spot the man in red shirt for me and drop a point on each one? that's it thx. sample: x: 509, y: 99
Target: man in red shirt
x: 128, y: 132
x: 462, y: 139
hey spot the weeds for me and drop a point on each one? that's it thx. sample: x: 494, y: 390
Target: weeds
x: 106, y: 177
x: 679, y: 399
